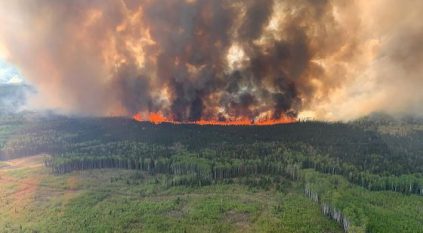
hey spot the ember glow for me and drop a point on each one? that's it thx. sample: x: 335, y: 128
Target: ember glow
x: 157, y: 118
x: 212, y: 61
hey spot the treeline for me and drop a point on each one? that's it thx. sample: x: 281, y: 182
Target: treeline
x: 356, y: 151
x: 355, y: 144
x: 188, y: 168
x: 334, y: 213
x: 409, y: 184
x: 226, y: 162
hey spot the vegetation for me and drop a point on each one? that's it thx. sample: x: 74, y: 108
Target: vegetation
x: 128, y: 201
x: 362, y: 210
x: 366, y: 175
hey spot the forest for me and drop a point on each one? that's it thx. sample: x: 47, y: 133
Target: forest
x: 373, y: 156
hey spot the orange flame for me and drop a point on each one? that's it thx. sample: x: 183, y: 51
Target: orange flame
x: 137, y: 117
x: 157, y: 118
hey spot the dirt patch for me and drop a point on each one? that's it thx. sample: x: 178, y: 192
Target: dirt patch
x: 25, y: 189
x: 25, y: 194
x: 72, y: 183
x: 18, y: 194
x: 175, y: 214
x: 3, y: 165
x: 71, y: 191
x: 27, y: 162
x: 241, y: 221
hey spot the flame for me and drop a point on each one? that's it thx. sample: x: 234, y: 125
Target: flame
x: 137, y: 117
x: 225, y: 123
x: 283, y: 120
x: 157, y: 118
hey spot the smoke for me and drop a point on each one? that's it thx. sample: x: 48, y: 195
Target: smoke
x: 13, y: 97
x: 219, y: 59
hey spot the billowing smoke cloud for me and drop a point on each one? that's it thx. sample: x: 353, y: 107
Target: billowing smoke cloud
x: 219, y: 59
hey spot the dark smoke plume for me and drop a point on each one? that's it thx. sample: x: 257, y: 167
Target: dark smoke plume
x: 195, y: 60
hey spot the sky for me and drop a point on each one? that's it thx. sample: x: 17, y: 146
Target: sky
x: 9, y: 74
x: 224, y: 60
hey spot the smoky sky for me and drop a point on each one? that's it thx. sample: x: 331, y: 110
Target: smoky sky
x: 13, y: 97
x: 218, y: 59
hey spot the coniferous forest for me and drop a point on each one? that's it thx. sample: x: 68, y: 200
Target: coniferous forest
x: 365, y: 175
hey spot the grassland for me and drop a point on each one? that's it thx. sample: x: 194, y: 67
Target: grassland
x: 34, y: 200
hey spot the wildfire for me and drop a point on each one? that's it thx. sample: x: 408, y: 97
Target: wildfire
x: 157, y: 118
x: 137, y: 117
